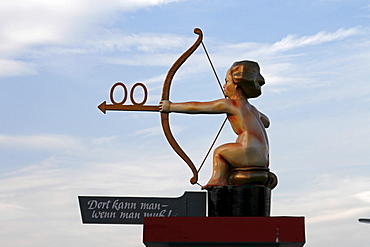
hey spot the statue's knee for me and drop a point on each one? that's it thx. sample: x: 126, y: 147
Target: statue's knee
x: 219, y: 151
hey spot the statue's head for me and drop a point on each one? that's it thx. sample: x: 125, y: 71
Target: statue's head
x: 246, y: 75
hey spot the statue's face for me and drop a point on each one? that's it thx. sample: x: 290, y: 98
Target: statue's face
x: 248, y: 77
x: 229, y: 88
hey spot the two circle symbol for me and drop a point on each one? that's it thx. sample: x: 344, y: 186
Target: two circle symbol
x: 120, y: 84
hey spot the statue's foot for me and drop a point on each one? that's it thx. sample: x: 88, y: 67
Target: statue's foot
x: 207, y: 186
x: 213, y: 183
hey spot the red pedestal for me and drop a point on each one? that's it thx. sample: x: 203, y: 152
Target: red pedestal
x: 224, y: 231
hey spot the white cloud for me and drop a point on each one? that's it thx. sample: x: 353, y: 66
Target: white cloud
x: 149, y: 131
x: 335, y: 57
x: 38, y: 142
x: 279, y: 67
x: 16, y: 68
x: 26, y: 24
x: 44, y: 195
x: 38, y: 22
x: 330, y: 205
x: 103, y: 140
x: 292, y: 41
x: 365, y: 196
x: 113, y: 40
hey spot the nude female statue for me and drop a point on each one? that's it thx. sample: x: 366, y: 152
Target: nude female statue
x: 251, y: 149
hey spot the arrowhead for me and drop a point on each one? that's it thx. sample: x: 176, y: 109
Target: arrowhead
x: 102, y: 107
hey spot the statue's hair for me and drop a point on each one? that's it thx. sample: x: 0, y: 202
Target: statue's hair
x: 244, y: 84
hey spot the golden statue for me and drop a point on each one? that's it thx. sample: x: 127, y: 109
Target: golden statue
x: 244, y: 162
x: 247, y: 160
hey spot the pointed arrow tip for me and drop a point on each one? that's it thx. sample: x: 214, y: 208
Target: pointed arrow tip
x: 102, y: 107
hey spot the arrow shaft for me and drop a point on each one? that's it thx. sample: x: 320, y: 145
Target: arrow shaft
x: 117, y: 107
x: 363, y: 220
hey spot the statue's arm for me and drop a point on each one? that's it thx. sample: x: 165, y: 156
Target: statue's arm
x: 212, y: 107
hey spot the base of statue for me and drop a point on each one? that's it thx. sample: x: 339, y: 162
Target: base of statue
x: 239, y: 201
x: 224, y: 231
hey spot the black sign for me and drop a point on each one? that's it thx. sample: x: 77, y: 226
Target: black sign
x: 132, y: 210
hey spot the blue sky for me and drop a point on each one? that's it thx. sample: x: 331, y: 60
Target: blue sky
x: 59, y: 59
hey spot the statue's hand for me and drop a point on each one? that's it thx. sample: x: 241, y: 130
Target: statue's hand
x: 164, y: 106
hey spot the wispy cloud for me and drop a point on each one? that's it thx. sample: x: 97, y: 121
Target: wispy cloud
x: 365, y: 196
x: 113, y: 41
x: 328, y: 204
x: 278, y: 59
x: 15, y: 68
x: 293, y: 41
x: 30, y: 24
x: 103, y: 140
x: 38, y: 142
x: 149, y: 132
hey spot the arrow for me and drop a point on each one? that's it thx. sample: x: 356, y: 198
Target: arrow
x: 117, y: 107
x: 364, y: 220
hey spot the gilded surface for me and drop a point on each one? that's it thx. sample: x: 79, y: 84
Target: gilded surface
x: 244, y: 161
x: 251, y: 149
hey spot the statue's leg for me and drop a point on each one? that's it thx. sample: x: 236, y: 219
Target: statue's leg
x: 221, y: 165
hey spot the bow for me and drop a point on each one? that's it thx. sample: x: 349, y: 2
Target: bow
x: 165, y: 96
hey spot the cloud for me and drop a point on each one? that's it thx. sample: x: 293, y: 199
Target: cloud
x: 103, y: 140
x: 36, y: 28
x: 364, y: 196
x: 292, y: 41
x: 333, y: 59
x: 114, y: 40
x: 149, y: 132
x: 16, y: 68
x: 154, y: 131
x: 39, y: 22
x: 38, y: 142
x: 331, y: 206
x: 35, y: 23
x: 44, y: 194
x: 284, y: 64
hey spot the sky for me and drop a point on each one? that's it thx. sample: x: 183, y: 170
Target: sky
x: 59, y: 60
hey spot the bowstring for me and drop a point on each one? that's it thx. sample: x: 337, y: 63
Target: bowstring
x: 213, y: 143
x: 213, y: 68
x: 223, y: 124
